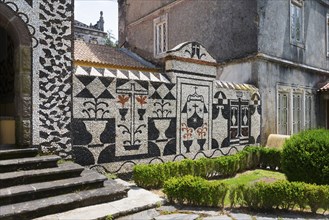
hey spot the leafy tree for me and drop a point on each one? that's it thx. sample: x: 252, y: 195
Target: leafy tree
x: 110, y: 40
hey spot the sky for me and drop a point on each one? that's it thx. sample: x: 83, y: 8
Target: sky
x: 88, y: 11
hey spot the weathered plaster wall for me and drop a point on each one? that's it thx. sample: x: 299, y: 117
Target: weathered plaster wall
x: 267, y: 76
x: 227, y: 28
x: 136, y: 11
x: 122, y: 117
x: 274, y: 32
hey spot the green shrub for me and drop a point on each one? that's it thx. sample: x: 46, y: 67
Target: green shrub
x: 154, y: 175
x: 235, y: 195
x: 284, y: 195
x: 317, y: 197
x: 270, y: 158
x: 194, y: 190
x: 305, y: 157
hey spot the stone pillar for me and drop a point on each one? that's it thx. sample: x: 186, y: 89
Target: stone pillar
x: 23, y: 90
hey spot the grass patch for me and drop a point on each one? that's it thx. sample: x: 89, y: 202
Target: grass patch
x: 250, y: 177
x: 253, y: 176
x: 61, y: 161
x: 111, y: 176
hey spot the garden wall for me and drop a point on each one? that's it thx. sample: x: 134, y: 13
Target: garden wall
x: 124, y: 117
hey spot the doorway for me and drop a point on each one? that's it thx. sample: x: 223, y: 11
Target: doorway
x: 7, y: 89
x: 15, y: 79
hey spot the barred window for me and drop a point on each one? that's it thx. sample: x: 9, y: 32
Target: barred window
x: 295, y: 109
x: 160, y: 35
x: 297, y: 113
x: 283, y: 110
x: 296, y: 21
x: 308, y: 111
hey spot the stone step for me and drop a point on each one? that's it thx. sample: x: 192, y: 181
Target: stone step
x: 28, y: 163
x: 18, y: 153
x: 7, y: 146
x: 89, y: 180
x: 66, y: 170
x: 138, y: 200
x: 56, y: 204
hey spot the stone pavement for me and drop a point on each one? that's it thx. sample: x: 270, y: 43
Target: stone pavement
x: 146, y: 206
x: 198, y: 213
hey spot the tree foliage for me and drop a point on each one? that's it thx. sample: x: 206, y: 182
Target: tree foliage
x: 110, y: 39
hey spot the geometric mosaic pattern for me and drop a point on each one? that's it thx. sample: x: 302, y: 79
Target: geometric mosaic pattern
x: 55, y: 79
x: 122, y: 74
x: 123, y: 116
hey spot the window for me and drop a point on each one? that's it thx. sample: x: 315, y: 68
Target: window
x: 297, y: 113
x: 308, y: 111
x: 283, y: 110
x: 295, y: 109
x: 160, y: 35
x: 327, y: 34
x: 296, y: 22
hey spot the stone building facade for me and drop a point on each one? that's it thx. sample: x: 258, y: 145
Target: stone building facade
x: 35, y: 103
x: 90, y: 33
x: 281, y: 47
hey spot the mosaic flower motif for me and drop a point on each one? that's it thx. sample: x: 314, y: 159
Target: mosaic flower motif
x: 141, y: 100
x: 122, y: 99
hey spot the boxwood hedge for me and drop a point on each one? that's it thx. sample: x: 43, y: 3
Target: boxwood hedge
x: 154, y: 175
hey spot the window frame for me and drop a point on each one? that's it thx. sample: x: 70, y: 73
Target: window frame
x: 327, y: 35
x: 162, y: 22
x: 301, y: 4
x: 279, y: 110
x: 299, y: 110
x: 309, y: 99
x: 305, y: 111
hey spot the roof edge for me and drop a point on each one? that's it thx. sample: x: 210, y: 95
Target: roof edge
x: 111, y: 66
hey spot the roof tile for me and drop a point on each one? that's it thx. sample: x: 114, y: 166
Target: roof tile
x: 102, y: 54
x: 324, y: 88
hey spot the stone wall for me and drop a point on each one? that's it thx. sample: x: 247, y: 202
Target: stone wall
x: 123, y: 117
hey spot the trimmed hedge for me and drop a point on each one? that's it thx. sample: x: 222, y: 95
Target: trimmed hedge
x: 154, y: 175
x: 285, y: 195
x: 282, y: 194
x: 195, y: 191
x: 305, y: 157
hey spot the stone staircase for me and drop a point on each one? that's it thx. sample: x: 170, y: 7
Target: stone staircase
x: 32, y: 186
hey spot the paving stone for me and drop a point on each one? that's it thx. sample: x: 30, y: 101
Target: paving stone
x: 241, y: 216
x: 145, y: 215
x: 167, y: 208
x: 177, y: 217
x: 218, y: 217
x: 201, y: 210
x: 265, y: 218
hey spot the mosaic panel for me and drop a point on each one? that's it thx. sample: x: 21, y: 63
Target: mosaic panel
x: 122, y: 118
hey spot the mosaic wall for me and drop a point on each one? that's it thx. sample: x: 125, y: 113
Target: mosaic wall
x: 123, y: 117
x: 49, y: 60
x: 55, y: 75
